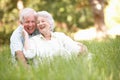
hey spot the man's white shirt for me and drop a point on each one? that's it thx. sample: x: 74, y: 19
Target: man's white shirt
x: 17, y: 40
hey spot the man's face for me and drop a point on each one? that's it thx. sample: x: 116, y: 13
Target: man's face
x: 29, y: 23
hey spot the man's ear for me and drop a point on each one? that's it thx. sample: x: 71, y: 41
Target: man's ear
x: 20, y: 22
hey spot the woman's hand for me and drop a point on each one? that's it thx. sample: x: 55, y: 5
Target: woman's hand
x: 26, y: 37
x: 83, y: 48
x: 25, y: 34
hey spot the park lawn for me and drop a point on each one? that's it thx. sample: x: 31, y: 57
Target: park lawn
x: 104, y: 65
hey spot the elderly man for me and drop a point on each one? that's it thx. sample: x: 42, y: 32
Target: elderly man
x: 27, y: 23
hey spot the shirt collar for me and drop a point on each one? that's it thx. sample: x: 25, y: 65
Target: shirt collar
x: 21, y: 26
x: 52, y: 35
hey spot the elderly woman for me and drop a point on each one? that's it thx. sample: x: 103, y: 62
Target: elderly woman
x: 49, y: 43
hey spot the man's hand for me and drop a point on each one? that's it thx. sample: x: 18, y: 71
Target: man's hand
x: 21, y: 58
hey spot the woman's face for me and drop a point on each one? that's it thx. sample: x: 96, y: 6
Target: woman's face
x: 43, y: 25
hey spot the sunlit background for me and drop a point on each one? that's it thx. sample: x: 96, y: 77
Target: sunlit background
x: 95, y: 23
x: 80, y: 19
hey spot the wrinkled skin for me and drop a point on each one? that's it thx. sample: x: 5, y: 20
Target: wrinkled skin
x: 29, y: 23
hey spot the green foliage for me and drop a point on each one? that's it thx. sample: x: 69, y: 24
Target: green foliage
x: 104, y: 65
x: 72, y: 12
x: 8, y: 9
x: 8, y: 19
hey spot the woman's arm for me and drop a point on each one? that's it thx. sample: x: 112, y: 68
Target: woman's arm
x: 83, y: 48
x: 73, y: 46
x: 26, y: 43
x: 29, y: 49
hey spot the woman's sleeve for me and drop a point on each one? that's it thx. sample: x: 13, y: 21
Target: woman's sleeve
x: 70, y: 44
x: 31, y: 51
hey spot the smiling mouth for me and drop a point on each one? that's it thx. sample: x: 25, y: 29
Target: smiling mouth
x: 42, y: 27
x: 31, y: 28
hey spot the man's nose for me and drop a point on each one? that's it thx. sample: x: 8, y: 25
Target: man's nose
x: 30, y: 23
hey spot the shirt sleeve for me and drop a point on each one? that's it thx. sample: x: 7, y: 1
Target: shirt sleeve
x: 16, y: 43
x: 31, y: 52
x: 69, y: 44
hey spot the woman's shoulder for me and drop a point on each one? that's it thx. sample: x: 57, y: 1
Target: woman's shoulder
x: 59, y: 33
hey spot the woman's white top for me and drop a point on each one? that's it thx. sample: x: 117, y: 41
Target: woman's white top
x: 60, y: 44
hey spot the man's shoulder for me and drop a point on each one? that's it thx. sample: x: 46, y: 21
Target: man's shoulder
x: 17, y: 32
x: 18, y: 29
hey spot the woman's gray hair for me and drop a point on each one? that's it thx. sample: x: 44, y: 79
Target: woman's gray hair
x: 27, y: 12
x: 48, y: 16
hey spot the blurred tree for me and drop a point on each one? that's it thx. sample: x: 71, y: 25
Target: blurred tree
x: 8, y: 19
x: 68, y: 14
x: 98, y: 13
x: 9, y: 13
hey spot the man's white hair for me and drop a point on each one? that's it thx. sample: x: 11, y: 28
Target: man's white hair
x: 48, y: 16
x: 26, y: 12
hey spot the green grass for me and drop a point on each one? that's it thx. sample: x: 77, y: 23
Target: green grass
x: 104, y: 65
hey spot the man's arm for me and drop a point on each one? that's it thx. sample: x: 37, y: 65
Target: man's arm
x: 21, y: 58
x: 16, y: 46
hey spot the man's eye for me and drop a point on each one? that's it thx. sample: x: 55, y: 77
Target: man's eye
x: 26, y: 21
x: 33, y: 21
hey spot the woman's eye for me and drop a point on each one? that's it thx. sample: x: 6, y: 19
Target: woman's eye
x: 43, y: 21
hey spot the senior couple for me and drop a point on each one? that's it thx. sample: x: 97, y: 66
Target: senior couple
x: 35, y: 37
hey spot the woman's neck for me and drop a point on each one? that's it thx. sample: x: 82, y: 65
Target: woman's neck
x: 47, y: 36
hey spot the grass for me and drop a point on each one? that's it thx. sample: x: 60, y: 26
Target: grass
x: 104, y: 65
